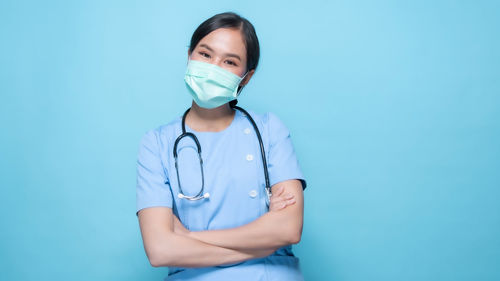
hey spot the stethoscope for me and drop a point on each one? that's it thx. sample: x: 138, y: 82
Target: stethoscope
x: 200, y: 194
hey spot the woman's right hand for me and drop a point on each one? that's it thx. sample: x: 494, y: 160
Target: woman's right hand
x: 279, y: 199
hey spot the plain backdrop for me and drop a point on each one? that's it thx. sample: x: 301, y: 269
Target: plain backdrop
x: 393, y: 109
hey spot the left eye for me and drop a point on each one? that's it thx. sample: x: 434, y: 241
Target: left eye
x: 230, y: 62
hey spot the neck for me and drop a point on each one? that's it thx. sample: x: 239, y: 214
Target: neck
x: 221, y: 112
x: 214, y: 119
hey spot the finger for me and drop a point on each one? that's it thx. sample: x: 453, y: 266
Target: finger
x: 273, y: 204
x: 278, y: 204
x: 277, y: 200
x: 286, y: 197
x: 279, y: 190
x: 284, y: 203
x: 275, y: 207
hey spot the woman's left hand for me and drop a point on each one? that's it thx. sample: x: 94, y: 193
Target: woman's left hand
x: 279, y: 199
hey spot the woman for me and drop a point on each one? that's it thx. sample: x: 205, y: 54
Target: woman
x: 206, y: 211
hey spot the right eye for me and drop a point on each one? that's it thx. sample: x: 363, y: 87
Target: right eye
x: 203, y: 54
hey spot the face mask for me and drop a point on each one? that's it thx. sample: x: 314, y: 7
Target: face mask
x: 210, y: 85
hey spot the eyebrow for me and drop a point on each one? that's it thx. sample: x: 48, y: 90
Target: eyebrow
x: 228, y: 54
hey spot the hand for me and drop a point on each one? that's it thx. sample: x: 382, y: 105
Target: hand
x: 280, y: 200
x: 179, y: 227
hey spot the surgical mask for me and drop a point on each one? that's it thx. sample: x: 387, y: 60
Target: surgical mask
x: 210, y: 85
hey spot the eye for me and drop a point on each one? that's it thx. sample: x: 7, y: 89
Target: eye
x: 230, y: 62
x: 203, y: 54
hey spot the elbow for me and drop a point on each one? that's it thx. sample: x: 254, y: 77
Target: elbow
x: 294, y: 237
x: 290, y: 232
x: 157, y: 260
x: 154, y: 262
x: 159, y: 257
x: 294, y: 234
x: 157, y: 263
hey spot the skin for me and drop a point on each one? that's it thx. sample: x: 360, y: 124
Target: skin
x: 168, y: 243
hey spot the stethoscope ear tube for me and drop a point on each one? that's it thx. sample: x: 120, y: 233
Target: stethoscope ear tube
x: 198, y: 147
x: 262, y: 152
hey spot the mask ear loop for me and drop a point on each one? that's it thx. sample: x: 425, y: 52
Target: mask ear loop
x: 238, y: 93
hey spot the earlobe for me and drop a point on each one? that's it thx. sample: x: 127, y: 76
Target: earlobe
x: 188, y: 58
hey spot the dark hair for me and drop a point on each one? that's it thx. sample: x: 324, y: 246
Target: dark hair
x: 231, y: 20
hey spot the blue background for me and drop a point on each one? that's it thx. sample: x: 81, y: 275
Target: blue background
x: 393, y: 108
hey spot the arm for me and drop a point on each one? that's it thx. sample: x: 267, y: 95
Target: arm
x: 166, y: 248
x: 272, y: 230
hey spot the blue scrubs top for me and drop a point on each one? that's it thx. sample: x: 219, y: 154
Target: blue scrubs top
x: 234, y: 177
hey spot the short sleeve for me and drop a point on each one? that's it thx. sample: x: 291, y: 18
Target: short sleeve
x: 153, y: 187
x: 282, y: 161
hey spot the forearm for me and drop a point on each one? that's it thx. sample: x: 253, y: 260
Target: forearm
x: 271, y: 230
x: 276, y: 228
x: 182, y: 251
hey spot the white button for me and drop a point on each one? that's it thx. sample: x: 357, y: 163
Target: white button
x: 247, y: 131
x: 249, y: 157
x: 252, y: 193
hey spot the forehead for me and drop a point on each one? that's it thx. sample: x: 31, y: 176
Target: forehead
x: 225, y: 40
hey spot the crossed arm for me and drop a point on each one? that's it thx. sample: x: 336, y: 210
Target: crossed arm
x: 168, y: 243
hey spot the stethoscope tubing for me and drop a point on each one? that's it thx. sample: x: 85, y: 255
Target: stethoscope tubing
x: 200, y: 194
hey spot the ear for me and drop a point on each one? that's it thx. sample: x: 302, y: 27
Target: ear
x: 189, y: 55
x: 247, y: 78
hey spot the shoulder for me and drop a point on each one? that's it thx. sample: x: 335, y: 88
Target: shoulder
x: 161, y: 133
x: 271, y: 128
